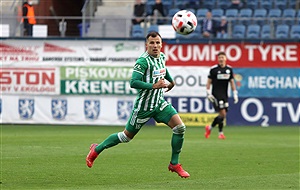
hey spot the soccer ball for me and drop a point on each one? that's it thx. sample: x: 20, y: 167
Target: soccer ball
x: 184, y: 22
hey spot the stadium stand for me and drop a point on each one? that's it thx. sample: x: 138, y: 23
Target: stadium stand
x: 253, y: 31
x: 209, y: 5
x: 238, y: 31
x: 232, y: 14
x: 217, y: 13
x: 288, y: 16
x: 201, y: 13
x: 153, y: 27
x: 274, y: 16
x: 266, y: 32
x: 266, y: 4
x: 282, y: 31
x: 245, y: 15
x: 171, y: 13
x: 280, y: 4
x: 181, y: 4
x: 223, y: 4
x: 298, y: 17
x: 292, y: 4
x: 252, y: 4
x: 259, y: 16
x: 137, y: 31
x: 295, y: 32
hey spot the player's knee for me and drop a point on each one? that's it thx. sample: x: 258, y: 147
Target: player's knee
x: 179, y: 129
x: 220, y: 120
x: 123, y: 138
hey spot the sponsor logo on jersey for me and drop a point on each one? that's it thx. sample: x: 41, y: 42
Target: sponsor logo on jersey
x: 26, y: 108
x: 124, y: 109
x: 223, y: 76
x: 91, y: 109
x: 159, y: 73
x: 59, y: 108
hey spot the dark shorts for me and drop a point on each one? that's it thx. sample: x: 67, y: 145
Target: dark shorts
x: 220, y: 104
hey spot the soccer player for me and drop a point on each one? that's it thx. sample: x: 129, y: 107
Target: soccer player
x: 219, y: 77
x: 150, y: 76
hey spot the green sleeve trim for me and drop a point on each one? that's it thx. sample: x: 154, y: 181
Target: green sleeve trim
x: 137, y: 83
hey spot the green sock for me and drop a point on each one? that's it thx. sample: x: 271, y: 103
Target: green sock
x: 110, y: 141
x: 176, y: 143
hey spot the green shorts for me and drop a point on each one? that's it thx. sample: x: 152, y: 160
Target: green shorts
x: 162, y: 114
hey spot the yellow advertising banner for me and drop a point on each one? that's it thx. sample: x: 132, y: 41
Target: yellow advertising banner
x: 195, y: 119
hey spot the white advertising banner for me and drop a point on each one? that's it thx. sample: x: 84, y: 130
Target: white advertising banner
x: 30, y: 80
x: 190, y: 81
x: 74, y: 110
x: 72, y: 52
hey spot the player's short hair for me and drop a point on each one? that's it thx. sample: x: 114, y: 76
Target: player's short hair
x: 153, y: 34
x: 222, y: 53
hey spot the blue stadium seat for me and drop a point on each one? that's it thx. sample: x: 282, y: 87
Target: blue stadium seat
x: 292, y: 4
x: 217, y: 13
x: 282, y: 31
x: 152, y: 27
x: 281, y: 4
x: 238, y: 31
x: 201, y: 13
x: 265, y: 32
x: 209, y: 5
x: 245, y: 15
x: 259, y: 16
x: 289, y: 16
x: 252, y: 4
x: 274, y: 16
x: 137, y: 31
x: 295, y: 32
x: 148, y: 6
x: 253, y: 31
x: 232, y: 14
x: 194, y: 4
x: 266, y: 4
x: 223, y: 4
x: 167, y: 6
x: 171, y: 13
x: 180, y: 4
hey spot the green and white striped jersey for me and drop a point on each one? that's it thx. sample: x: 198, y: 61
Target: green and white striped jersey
x: 150, y: 70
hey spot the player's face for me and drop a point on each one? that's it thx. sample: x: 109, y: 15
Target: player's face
x: 154, y: 45
x: 222, y: 60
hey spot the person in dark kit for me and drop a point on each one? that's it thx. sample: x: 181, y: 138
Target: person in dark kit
x: 158, y: 11
x: 138, y: 12
x: 28, y: 17
x: 219, y: 77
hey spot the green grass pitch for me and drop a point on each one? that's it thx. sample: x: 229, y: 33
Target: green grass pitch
x: 53, y: 157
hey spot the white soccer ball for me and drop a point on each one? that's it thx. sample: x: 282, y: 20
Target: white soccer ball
x: 184, y: 22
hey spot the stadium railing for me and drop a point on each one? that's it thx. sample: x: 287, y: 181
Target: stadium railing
x: 107, y: 27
